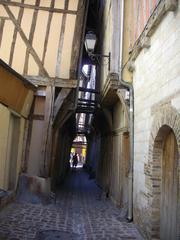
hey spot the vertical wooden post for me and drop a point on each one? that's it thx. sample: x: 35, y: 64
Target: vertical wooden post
x: 46, y: 144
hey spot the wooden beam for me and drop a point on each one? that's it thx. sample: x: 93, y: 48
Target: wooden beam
x: 56, y: 82
x: 77, y: 39
x: 47, y: 32
x: 64, y: 115
x: 46, y: 143
x: 23, y: 36
x: 21, y: 10
x: 2, y: 22
x: 49, y: 9
x: 60, y: 99
x: 4, y: 18
x: 29, y: 136
x: 31, y: 36
x: 61, y: 41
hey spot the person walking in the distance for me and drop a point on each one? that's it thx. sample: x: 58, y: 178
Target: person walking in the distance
x: 75, y: 160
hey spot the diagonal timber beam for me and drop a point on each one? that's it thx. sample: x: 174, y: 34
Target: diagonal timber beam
x: 47, y: 32
x: 24, y: 38
x: 49, y: 9
x: 2, y: 22
x: 19, y: 19
x: 31, y: 36
x: 61, y: 41
x: 60, y: 99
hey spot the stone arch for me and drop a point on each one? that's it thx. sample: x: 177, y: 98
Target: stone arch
x: 165, y: 120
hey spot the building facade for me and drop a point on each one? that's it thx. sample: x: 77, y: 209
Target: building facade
x: 132, y: 119
x: 156, y: 138
x: 140, y: 151
x: 41, y: 41
x: 16, y: 97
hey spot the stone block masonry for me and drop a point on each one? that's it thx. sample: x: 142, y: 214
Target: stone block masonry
x: 78, y: 210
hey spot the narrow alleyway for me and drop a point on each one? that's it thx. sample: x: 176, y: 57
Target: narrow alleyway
x: 80, y: 212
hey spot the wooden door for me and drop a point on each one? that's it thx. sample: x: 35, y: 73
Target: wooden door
x: 169, y: 191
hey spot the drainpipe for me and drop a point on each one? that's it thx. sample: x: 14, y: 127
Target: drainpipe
x: 129, y: 87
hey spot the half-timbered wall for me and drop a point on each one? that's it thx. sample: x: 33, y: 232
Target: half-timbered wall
x: 37, y: 36
x: 41, y: 40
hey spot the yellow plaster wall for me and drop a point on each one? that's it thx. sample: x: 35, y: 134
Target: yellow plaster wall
x: 73, y: 4
x: 3, y: 11
x: 67, y: 46
x: 33, y: 68
x: 4, y: 126
x: 5, y: 147
x: 40, y: 32
x: 19, y: 53
x: 8, y: 152
x: 31, y: 2
x: 15, y: 11
x: 59, y: 4
x: 26, y: 21
x: 20, y: 148
x: 46, y: 3
x: 7, y: 41
x: 53, y: 42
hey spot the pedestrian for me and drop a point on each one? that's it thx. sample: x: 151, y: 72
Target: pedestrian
x: 75, y: 160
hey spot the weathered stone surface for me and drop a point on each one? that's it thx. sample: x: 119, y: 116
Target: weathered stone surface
x: 157, y: 94
x: 79, y: 210
x: 55, y: 235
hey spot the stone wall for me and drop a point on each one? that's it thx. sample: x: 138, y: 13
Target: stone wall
x: 157, y: 103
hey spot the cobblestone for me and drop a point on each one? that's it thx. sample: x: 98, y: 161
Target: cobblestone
x: 79, y: 213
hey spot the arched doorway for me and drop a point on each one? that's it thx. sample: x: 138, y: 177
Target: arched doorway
x: 162, y: 176
x: 165, y: 183
x: 169, y: 187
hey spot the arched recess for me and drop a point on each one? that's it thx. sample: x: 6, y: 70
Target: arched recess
x: 113, y: 165
x: 163, y: 175
x: 99, y: 146
x: 62, y: 141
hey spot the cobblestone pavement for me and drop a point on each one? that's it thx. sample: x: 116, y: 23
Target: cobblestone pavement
x: 79, y: 213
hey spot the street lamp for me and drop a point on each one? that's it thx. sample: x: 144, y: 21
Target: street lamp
x: 90, y: 43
